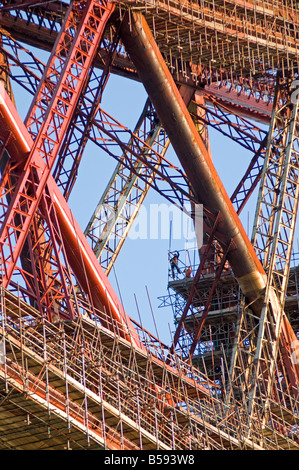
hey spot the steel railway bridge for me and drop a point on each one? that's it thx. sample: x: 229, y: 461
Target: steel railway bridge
x: 76, y: 371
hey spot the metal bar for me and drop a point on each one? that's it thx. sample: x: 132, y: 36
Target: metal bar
x: 194, y: 157
x: 48, y: 126
x: 276, y: 215
x: 76, y: 137
x: 205, y: 312
x: 124, y: 193
x: 79, y: 254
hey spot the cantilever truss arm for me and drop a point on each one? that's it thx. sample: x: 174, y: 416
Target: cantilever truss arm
x: 127, y: 188
x: 199, y: 168
x: 69, y: 63
x: 273, y: 236
x: 80, y: 257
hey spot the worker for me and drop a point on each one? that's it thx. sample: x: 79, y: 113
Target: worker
x: 188, y: 272
x: 174, y: 264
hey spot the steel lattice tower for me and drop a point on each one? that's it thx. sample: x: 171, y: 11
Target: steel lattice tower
x: 76, y: 371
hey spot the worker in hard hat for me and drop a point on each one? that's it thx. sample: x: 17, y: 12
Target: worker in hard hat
x: 174, y: 263
x: 188, y: 271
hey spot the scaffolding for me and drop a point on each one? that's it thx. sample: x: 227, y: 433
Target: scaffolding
x: 224, y: 39
x: 75, y: 384
x: 228, y: 327
x: 82, y: 377
x: 226, y: 305
x: 216, y: 340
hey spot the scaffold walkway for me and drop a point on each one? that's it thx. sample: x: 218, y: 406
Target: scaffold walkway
x: 76, y: 384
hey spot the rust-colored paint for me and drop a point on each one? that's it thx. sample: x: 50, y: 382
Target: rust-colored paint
x: 198, y: 165
x: 191, y: 151
x: 81, y: 257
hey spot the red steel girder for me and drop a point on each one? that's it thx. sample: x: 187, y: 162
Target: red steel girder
x: 219, y: 115
x: 205, y: 182
x: 77, y: 135
x: 253, y: 94
x: 250, y: 178
x: 69, y: 64
x: 236, y: 100
x: 80, y: 256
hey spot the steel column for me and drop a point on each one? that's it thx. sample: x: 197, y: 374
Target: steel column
x: 48, y: 120
x: 196, y: 161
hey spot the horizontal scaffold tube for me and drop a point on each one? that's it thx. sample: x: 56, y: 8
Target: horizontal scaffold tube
x: 197, y: 163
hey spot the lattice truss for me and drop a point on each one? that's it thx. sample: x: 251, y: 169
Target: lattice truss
x: 231, y: 68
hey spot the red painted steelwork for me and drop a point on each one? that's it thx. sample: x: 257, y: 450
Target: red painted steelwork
x: 247, y: 106
x: 81, y: 257
x: 51, y: 113
x: 206, y: 184
x: 192, y: 153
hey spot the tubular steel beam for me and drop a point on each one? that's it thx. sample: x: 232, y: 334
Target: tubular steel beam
x: 49, y: 117
x: 218, y: 101
x: 215, y: 105
x: 81, y: 257
x: 199, y: 168
x: 191, y: 151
